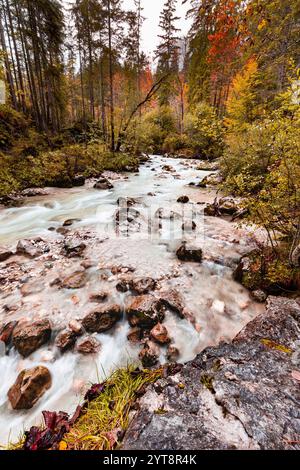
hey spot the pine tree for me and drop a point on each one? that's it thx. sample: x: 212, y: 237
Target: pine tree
x: 167, y: 51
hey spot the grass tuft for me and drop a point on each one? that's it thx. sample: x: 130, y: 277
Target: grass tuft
x: 106, y: 418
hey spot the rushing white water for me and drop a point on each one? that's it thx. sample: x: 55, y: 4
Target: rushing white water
x: 220, y: 306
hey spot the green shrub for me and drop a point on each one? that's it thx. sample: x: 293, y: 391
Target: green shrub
x: 205, y: 132
x: 262, y: 164
x: 175, y: 142
x: 13, y: 125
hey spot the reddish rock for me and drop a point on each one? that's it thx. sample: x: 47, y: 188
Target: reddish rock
x: 77, y: 280
x: 98, y: 297
x: 149, y: 354
x: 143, y: 285
x: 5, y: 255
x: 159, y: 334
x: 65, y: 340
x: 135, y: 335
x: 173, y: 301
x: 145, y: 311
x: 30, y: 386
x: 74, y: 248
x: 102, y: 319
x: 6, y: 331
x: 29, y: 248
x: 172, y: 354
x: 28, y: 337
x: 88, y: 345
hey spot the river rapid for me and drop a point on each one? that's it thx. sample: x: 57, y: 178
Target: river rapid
x: 145, y: 247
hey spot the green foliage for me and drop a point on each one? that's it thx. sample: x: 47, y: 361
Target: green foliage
x: 174, y: 143
x: 58, y: 167
x: 262, y: 164
x: 150, y: 133
x: 13, y: 125
x: 205, y: 132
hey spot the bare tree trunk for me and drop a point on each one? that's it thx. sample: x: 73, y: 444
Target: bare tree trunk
x: 111, y: 80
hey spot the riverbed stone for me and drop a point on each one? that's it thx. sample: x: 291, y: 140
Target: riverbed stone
x: 183, y: 199
x: 259, y: 296
x: 65, y: 340
x: 149, y: 354
x: 103, y: 184
x: 6, y: 331
x: 88, y: 345
x: 69, y: 222
x: 30, y: 386
x: 135, y: 335
x: 145, y: 311
x: 76, y: 280
x: 102, y: 319
x: 172, y: 353
x: 159, y: 334
x: 5, y: 255
x: 173, y: 301
x: 98, y: 297
x: 189, y: 254
x: 30, y: 336
x: 143, y: 285
x: 74, y: 248
x: 29, y: 248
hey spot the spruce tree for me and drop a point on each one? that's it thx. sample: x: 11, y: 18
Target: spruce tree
x: 167, y: 51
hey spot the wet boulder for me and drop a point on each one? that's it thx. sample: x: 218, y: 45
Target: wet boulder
x: 189, y: 254
x: 135, y: 335
x: 30, y: 386
x: 149, y: 355
x: 143, y: 285
x: 173, y: 301
x: 65, y: 340
x: 159, y: 334
x: 76, y: 280
x: 172, y: 353
x: 103, y: 184
x: 30, y: 248
x: 6, y: 331
x: 183, y: 199
x: 211, y: 210
x: 28, y: 337
x: 98, y: 297
x: 102, y: 319
x: 5, y: 255
x: 145, y: 311
x: 69, y: 222
x: 228, y: 206
x: 74, y: 248
x: 88, y: 345
x: 123, y: 285
x: 259, y: 296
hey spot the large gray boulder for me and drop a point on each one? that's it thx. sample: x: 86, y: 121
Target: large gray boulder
x: 242, y: 395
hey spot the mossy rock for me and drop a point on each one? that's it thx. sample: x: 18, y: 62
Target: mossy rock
x: 264, y: 270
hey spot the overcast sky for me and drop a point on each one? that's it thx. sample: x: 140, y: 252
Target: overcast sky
x: 152, y: 9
